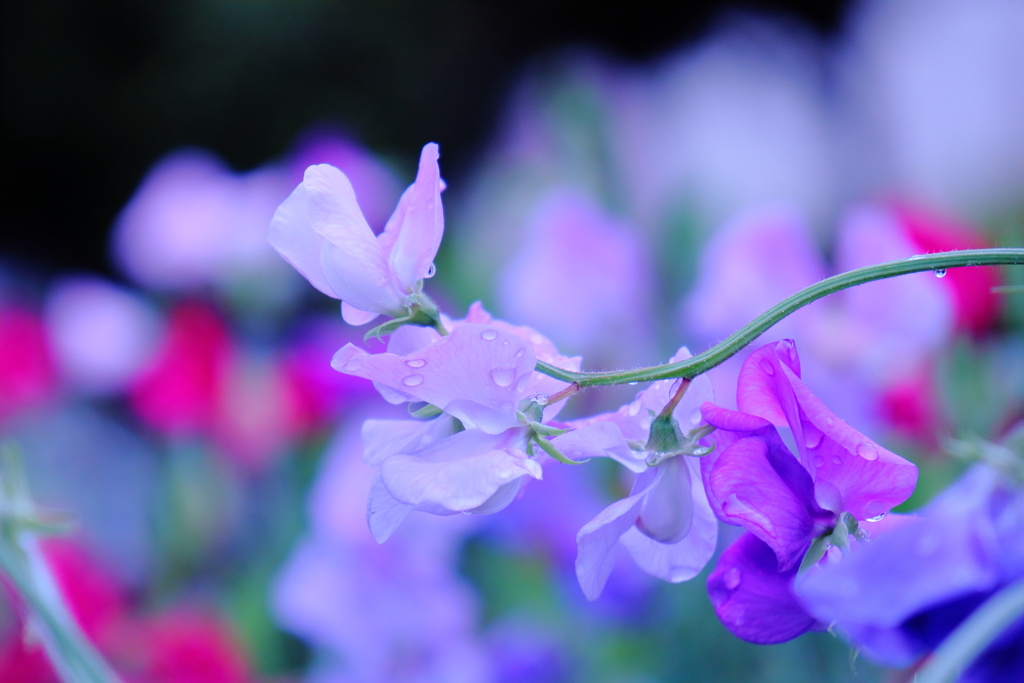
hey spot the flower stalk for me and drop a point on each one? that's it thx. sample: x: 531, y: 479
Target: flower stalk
x: 733, y: 344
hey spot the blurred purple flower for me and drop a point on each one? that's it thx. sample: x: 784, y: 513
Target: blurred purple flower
x: 395, y: 612
x: 192, y: 223
x: 320, y: 230
x: 785, y: 500
x: 857, y: 343
x: 102, y: 335
x: 899, y: 596
x: 584, y: 278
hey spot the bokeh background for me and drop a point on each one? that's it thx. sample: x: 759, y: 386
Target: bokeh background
x: 623, y: 180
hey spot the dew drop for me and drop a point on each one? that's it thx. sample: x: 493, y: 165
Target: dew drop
x: 505, y: 342
x: 830, y: 422
x: 540, y: 399
x: 502, y: 376
x: 836, y: 460
x: 814, y: 439
x: 431, y: 270
x: 520, y: 352
x: 695, y: 416
x: 413, y: 380
x: 819, y: 461
x: 867, y: 451
x: 731, y: 579
x: 523, y: 381
x: 415, y: 362
x: 940, y: 272
x: 876, y: 518
x: 632, y: 384
x: 633, y: 409
x: 767, y: 366
x: 489, y: 335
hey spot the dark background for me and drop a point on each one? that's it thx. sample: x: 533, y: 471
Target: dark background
x: 95, y: 93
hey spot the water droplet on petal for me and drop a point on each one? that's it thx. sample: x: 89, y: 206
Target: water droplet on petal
x: 633, y: 409
x: 867, y: 451
x: 502, y: 376
x: 767, y: 366
x: 540, y: 399
x: 520, y: 352
x: 413, y: 380
x: 813, y: 438
x: 523, y: 381
x: 431, y: 270
x: 505, y: 342
x: 819, y: 461
x: 415, y: 362
x: 940, y: 272
x: 836, y: 460
x: 830, y: 422
x: 489, y: 335
x: 876, y: 518
x: 695, y: 415
x: 731, y: 579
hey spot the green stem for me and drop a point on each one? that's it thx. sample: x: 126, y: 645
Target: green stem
x: 971, y: 637
x: 724, y: 350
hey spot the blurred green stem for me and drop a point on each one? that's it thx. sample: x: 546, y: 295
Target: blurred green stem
x: 724, y: 350
x: 70, y: 652
x: 971, y: 637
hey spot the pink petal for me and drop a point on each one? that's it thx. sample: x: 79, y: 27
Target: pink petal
x: 414, y: 231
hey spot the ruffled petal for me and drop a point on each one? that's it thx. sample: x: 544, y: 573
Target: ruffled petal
x: 763, y: 488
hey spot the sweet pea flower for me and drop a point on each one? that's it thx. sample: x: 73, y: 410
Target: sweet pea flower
x: 665, y: 524
x: 786, y: 500
x: 321, y: 231
x: 899, y: 596
x: 479, y: 376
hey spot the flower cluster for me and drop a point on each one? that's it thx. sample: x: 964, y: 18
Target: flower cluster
x: 483, y: 421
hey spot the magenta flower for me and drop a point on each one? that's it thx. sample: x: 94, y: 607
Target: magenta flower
x: 321, y: 231
x: 665, y: 524
x: 786, y: 500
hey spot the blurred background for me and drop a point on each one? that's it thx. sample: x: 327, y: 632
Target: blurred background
x: 623, y: 181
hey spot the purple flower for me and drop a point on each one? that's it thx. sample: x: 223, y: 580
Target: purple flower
x: 321, y: 231
x: 786, y: 500
x: 665, y: 524
x: 900, y: 595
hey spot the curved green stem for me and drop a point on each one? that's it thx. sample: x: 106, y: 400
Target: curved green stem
x: 724, y: 350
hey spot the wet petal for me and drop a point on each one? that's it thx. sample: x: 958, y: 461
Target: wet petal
x: 752, y: 598
x: 476, y: 374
